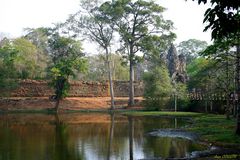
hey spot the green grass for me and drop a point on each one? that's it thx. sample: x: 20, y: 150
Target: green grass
x: 216, y: 128
x: 212, y: 128
x: 159, y: 113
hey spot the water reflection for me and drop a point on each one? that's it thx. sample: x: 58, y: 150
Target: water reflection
x: 87, y: 136
x: 131, y: 135
x: 111, y: 136
x: 62, y: 150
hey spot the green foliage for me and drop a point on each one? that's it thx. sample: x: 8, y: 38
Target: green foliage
x: 158, y: 88
x: 199, y: 72
x: 8, y: 72
x: 196, y: 66
x: 26, y: 60
x: 215, y: 128
x: 66, y: 55
x: 153, y: 113
x: 97, y: 70
x: 191, y: 48
x: 180, y: 90
x: 39, y: 37
x: 90, y: 22
x: 119, y: 68
x: 216, y: 71
x: 222, y: 49
x: 211, y: 128
x: 134, y: 22
x: 212, y: 76
x: 222, y: 18
x: 139, y: 24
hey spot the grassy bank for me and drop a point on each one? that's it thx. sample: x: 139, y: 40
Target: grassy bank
x: 216, y: 129
x: 155, y: 113
x: 211, y: 128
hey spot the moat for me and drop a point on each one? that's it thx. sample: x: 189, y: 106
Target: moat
x: 81, y: 136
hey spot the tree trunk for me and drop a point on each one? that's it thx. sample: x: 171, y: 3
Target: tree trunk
x: 110, y: 79
x: 234, y: 107
x: 238, y: 89
x: 131, y: 85
x: 234, y: 92
x: 211, y: 106
x: 175, y: 123
x: 175, y: 102
x: 59, y: 91
x: 228, y: 109
x: 57, y: 105
x: 206, y: 106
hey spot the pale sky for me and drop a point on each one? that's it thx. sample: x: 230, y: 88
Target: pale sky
x: 18, y: 14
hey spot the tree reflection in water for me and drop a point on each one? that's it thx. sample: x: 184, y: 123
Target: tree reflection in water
x: 131, y: 134
x: 82, y: 136
x: 62, y: 149
x: 111, y: 136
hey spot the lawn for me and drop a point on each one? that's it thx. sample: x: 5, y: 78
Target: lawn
x: 212, y: 128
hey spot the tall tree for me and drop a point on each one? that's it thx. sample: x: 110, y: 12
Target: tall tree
x: 39, y: 37
x: 136, y: 23
x: 224, y: 72
x: 27, y: 63
x: 8, y: 73
x: 198, y: 71
x: 67, y: 59
x: 158, y: 86
x: 223, y: 18
x: 89, y: 21
x: 191, y: 48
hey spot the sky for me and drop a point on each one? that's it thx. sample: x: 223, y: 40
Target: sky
x: 15, y: 15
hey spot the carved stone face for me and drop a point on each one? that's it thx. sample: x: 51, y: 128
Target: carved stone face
x: 176, y: 65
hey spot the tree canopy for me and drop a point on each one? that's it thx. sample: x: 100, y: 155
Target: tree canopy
x: 67, y: 59
x: 222, y: 18
x: 140, y: 25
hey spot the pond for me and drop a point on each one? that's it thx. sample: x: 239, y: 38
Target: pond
x: 82, y: 136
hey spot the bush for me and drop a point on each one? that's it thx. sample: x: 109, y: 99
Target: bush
x: 157, y: 88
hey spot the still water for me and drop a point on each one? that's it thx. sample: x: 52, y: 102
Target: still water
x: 83, y: 136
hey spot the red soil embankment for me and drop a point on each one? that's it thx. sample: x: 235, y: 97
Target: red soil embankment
x: 71, y: 103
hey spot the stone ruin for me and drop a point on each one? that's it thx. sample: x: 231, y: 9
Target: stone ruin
x: 176, y: 65
x: 40, y: 88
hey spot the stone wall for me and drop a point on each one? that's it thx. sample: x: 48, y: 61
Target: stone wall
x: 34, y: 88
x: 89, y: 89
x: 121, y: 88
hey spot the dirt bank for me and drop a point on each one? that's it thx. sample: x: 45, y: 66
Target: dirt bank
x: 73, y: 103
